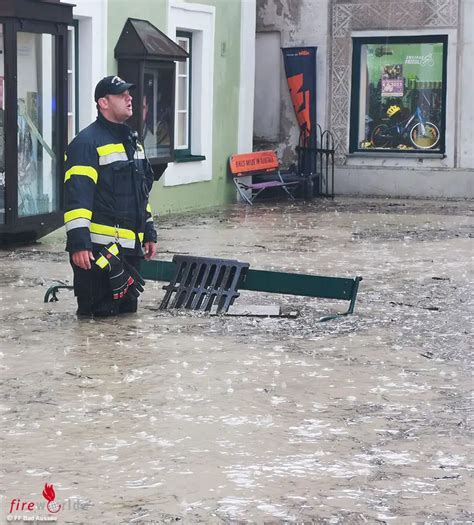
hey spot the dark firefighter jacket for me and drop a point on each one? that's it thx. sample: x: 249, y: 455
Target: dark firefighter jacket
x: 106, y: 184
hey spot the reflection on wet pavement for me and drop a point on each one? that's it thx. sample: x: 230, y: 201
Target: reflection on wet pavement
x: 166, y: 417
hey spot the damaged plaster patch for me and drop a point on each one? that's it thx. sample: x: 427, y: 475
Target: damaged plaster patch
x: 286, y: 151
x: 279, y: 13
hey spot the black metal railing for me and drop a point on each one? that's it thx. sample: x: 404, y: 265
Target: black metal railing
x: 316, y: 162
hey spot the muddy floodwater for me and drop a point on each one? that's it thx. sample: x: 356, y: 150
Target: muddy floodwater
x: 171, y: 417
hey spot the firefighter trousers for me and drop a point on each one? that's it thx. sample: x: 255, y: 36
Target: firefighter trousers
x: 94, y: 294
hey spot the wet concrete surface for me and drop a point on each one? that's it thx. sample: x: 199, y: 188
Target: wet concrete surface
x: 165, y: 417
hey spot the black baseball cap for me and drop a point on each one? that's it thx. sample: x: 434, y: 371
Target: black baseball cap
x: 111, y: 85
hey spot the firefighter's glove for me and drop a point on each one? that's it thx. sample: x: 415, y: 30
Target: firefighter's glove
x: 120, y: 279
x: 138, y: 283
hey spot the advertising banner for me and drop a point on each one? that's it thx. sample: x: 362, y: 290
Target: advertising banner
x: 300, y: 68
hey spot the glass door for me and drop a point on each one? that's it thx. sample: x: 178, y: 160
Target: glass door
x: 38, y: 191
x: 2, y: 133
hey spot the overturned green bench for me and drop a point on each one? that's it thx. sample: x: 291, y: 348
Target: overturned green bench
x: 253, y: 280
x: 199, y: 283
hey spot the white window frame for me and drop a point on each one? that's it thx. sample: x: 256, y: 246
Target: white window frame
x: 199, y: 20
x: 186, y: 111
x: 92, y: 18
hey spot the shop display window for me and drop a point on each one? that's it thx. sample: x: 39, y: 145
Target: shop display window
x: 398, y: 94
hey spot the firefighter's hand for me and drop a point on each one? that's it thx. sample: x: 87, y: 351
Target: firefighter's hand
x: 150, y: 249
x: 83, y: 259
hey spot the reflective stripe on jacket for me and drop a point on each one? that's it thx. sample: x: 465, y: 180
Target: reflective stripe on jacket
x: 106, y: 187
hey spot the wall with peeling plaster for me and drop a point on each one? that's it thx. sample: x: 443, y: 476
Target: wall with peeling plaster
x: 299, y: 23
x: 330, y: 25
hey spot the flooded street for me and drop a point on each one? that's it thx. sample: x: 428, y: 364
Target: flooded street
x: 165, y: 417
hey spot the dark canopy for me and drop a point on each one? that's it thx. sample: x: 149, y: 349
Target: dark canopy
x: 142, y: 40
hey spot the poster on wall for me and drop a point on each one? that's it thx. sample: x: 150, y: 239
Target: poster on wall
x: 392, y: 80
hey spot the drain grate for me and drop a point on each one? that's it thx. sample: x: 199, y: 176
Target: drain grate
x: 201, y: 283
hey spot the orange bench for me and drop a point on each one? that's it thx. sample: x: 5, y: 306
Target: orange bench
x: 262, y: 163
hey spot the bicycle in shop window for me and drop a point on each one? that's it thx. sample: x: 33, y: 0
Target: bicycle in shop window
x: 402, y: 132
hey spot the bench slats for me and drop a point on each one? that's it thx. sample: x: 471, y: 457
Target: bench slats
x: 299, y: 284
x: 263, y: 185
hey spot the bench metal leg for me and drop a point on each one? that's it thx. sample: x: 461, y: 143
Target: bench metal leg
x: 242, y: 193
x: 285, y: 186
x: 350, y: 310
x: 354, y: 295
x: 51, y: 293
x: 289, y: 193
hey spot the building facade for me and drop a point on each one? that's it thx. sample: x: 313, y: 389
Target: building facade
x: 393, y: 86
x: 214, y: 90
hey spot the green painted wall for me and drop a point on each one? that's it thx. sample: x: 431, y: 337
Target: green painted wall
x: 219, y: 190
x: 119, y: 10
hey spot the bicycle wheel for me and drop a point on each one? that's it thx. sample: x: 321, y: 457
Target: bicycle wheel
x: 426, y: 140
x: 381, y: 137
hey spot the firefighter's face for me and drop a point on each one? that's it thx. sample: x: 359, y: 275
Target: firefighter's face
x: 117, y: 108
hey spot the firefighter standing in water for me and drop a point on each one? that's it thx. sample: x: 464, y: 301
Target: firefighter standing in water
x: 108, y: 220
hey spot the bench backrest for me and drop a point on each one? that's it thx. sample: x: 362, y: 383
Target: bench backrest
x: 258, y: 161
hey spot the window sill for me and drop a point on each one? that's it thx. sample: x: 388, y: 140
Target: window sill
x: 395, y: 155
x: 190, y: 158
